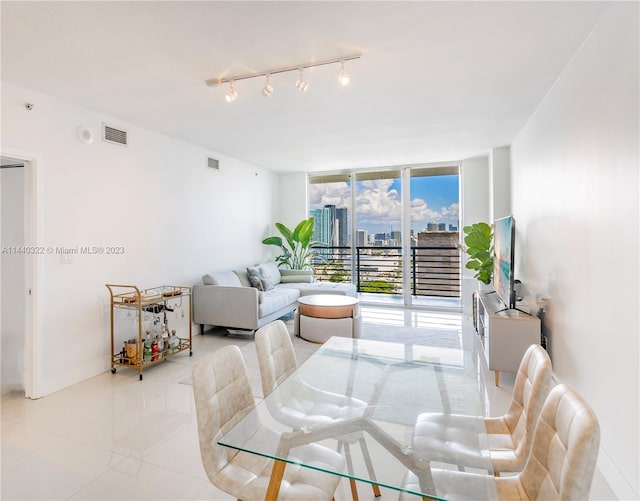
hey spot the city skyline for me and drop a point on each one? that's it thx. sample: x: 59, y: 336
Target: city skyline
x: 434, y: 199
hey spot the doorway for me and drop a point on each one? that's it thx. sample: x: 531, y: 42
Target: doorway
x: 18, y: 260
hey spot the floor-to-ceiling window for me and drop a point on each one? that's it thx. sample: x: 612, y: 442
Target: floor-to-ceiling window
x: 391, y: 232
x: 379, y: 216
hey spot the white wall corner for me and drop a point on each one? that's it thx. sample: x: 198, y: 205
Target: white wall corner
x: 500, y: 182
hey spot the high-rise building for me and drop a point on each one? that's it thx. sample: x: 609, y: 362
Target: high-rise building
x: 331, y: 225
x: 342, y: 226
x: 438, y: 263
x: 363, y: 238
x: 322, y: 225
x: 331, y: 218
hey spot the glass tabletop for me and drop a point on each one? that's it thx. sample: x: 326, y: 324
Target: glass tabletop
x: 410, y: 408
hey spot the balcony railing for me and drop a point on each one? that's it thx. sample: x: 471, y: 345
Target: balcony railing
x: 435, y: 271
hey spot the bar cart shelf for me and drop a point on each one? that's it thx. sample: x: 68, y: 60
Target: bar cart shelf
x: 158, y: 301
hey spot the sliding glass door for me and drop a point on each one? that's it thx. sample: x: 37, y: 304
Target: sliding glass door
x: 434, y: 238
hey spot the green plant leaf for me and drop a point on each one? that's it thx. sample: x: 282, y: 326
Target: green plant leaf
x: 273, y: 241
x: 287, y: 234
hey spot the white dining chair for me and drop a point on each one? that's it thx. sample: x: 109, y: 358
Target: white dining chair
x: 559, y: 466
x: 310, y: 406
x: 223, y: 397
x: 509, y: 436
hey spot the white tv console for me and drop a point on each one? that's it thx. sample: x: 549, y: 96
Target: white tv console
x: 505, y: 334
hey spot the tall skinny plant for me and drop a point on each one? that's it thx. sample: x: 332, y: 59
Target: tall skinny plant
x: 296, y: 246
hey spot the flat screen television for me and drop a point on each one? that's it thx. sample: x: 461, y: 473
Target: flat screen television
x: 504, y: 234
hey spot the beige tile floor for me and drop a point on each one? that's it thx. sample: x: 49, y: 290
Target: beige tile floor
x: 115, y: 437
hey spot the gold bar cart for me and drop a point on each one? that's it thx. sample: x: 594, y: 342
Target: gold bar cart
x: 144, y: 300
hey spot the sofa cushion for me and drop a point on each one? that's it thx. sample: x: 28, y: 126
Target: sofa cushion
x: 253, y: 273
x: 269, y: 275
x: 276, y: 299
x: 244, y: 278
x: 307, y: 289
x: 293, y: 279
x: 224, y: 278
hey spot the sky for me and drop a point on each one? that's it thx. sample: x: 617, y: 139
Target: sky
x: 434, y: 199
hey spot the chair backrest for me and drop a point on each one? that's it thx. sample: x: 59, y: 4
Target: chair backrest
x: 565, y: 448
x: 530, y: 390
x: 276, y: 356
x: 222, y: 395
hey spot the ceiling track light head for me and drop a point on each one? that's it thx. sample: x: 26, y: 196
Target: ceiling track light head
x: 301, y: 84
x: 232, y: 95
x: 343, y: 76
x: 267, y: 90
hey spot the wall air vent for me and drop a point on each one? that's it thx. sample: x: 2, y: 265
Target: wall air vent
x: 212, y: 163
x: 112, y: 135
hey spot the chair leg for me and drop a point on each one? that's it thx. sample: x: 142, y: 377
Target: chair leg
x: 352, y: 482
x: 369, y: 465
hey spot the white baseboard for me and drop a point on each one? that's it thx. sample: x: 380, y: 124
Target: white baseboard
x: 618, y: 483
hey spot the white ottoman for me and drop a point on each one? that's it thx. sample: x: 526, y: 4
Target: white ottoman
x: 321, y: 316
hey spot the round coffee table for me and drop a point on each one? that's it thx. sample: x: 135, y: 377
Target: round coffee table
x: 321, y: 316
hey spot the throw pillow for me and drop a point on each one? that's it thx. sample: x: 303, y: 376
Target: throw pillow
x: 253, y: 272
x: 269, y: 275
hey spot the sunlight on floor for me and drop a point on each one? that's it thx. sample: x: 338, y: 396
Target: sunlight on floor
x: 412, y: 318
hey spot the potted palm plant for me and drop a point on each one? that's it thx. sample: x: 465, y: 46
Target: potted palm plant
x: 295, y: 244
x: 478, y: 242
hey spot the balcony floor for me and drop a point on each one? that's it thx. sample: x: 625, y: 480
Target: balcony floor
x: 396, y: 300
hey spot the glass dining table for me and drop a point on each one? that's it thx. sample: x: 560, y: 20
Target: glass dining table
x: 388, y: 388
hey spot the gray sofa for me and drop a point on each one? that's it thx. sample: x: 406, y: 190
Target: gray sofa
x: 250, y: 298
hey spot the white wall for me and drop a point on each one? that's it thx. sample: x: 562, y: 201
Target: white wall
x: 474, y: 190
x: 175, y: 218
x: 293, y: 200
x: 13, y: 279
x: 499, y: 183
x: 474, y: 196
x: 575, y: 198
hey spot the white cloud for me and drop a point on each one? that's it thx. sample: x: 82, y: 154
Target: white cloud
x: 379, y: 205
x: 338, y: 194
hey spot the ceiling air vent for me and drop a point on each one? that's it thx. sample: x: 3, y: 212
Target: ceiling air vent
x: 212, y: 163
x: 112, y: 135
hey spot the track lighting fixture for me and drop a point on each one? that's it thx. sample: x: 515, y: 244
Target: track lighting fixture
x: 301, y: 84
x: 267, y: 90
x: 343, y: 76
x: 232, y: 95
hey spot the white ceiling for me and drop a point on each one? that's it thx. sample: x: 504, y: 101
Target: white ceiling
x: 437, y: 81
